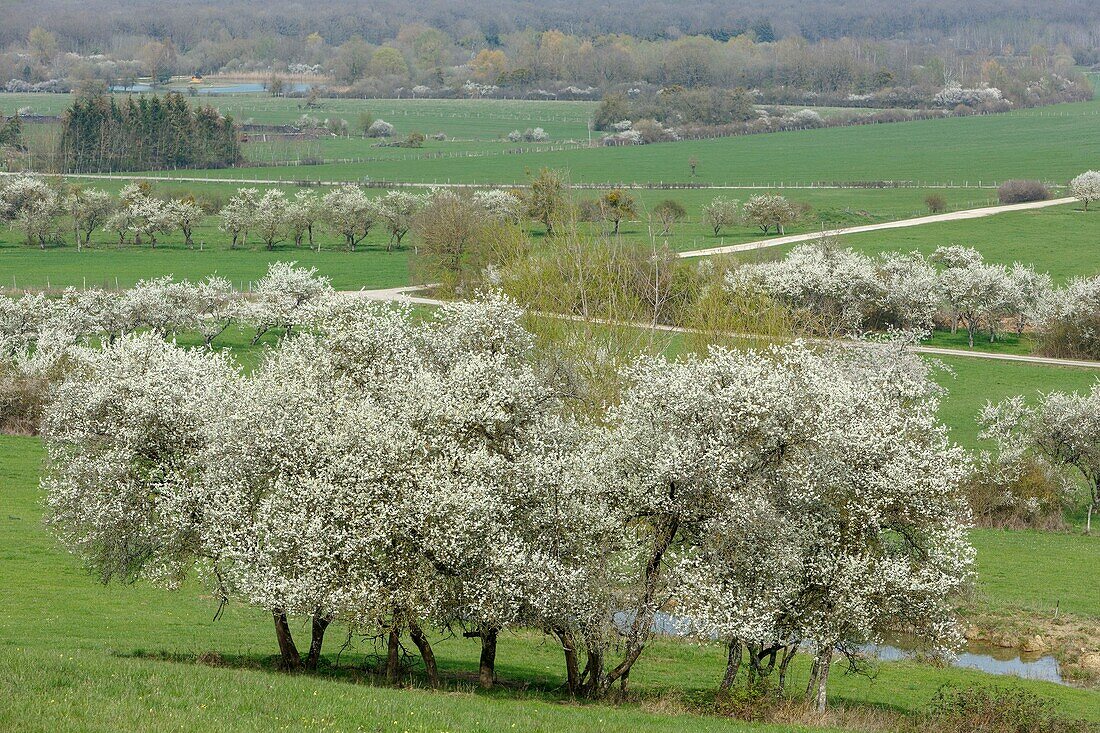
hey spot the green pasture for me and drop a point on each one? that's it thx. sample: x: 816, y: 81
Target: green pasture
x: 1061, y: 240
x: 1052, y: 144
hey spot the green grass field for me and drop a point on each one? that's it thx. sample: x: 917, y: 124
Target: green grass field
x: 1061, y: 240
x: 77, y: 656
x: 970, y: 383
x: 1053, y: 144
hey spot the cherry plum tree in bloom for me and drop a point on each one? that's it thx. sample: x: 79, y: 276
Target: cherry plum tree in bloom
x: 839, y: 454
x: 123, y: 435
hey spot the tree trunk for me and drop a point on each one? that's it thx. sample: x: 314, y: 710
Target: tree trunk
x: 823, y: 678
x: 290, y: 659
x: 392, y: 658
x: 788, y: 655
x: 320, y: 623
x: 569, y: 647
x: 733, y: 665
x: 487, y: 673
x: 426, y: 653
x: 643, y: 618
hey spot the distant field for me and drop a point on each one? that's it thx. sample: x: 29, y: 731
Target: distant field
x: 1052, y: 144
x: 374, y: 268
x: 484, y: 119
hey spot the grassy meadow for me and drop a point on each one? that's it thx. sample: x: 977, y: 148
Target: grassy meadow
x: 75, y: 655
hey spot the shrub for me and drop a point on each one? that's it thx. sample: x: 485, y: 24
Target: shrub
x: 1069, y: 324
x: 994, y: 710
x: 936, y: 203
x: 1020, y: 494
x: 380, y: 128
x: 1018, y: 191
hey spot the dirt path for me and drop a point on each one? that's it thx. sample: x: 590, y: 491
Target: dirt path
x: 899, y: 224
x: 406, y: 295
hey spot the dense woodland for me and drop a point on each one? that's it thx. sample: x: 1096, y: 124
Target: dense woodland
x: 100, y: 133
x: 858, y: 54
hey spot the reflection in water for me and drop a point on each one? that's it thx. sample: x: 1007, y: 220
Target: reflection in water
x: 984, y: 657
x: 241, y: 88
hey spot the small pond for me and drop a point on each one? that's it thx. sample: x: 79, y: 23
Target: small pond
x: 237, y: 88
x: 976, y: 655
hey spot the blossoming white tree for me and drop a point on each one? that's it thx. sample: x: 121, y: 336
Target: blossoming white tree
x: 1062, y: 428
x: 1086, y: 187
x: 349, y: 213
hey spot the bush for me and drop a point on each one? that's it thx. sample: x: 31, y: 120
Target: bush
x: 936, y: 203
x: 1018, y: 191
x: 380, y: 128
x: 1069, y: 325
x: 1022, y: 494
x: 994, y: 710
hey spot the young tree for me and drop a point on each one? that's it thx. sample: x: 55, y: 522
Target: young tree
x: 1062, y: 428
x: 615, y: 206
x: 720, y: 213
x: 349, y: 213
x: 770, y: 210
x: 668, y: 212
x: 1086, y: 187
x: 546, y: 199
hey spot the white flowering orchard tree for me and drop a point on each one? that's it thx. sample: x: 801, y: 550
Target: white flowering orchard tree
x: 828, y: 452
x: 185, y: 214
x: 269, y: 218
x: 1086, y: 187
x: 1062, y: 428
x: 163, y: 304
x: 217, y: 306
x: 310, y: 474
x: 88, y: 209
x: 720, y: 213
x: 499, y: 205
x: 349, y: 213
x: 238, y: 213
x: 769, y: 211
x: 282, y: 298
x: 483, y: 413
x: 34, y: 205
x: 978, y: 294
x: 123, y: 436
x: 301, y: 215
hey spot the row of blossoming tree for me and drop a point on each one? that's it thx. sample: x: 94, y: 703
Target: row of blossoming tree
x: 410, y: 477
x: 48, y: 213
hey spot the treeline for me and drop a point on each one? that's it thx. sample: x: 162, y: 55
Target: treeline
x: 100, y: 133
x: 191, y: 22
x: 450, y: 59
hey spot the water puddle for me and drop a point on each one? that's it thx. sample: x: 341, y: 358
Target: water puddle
x: 980, y: 656
x: 976, y: 655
